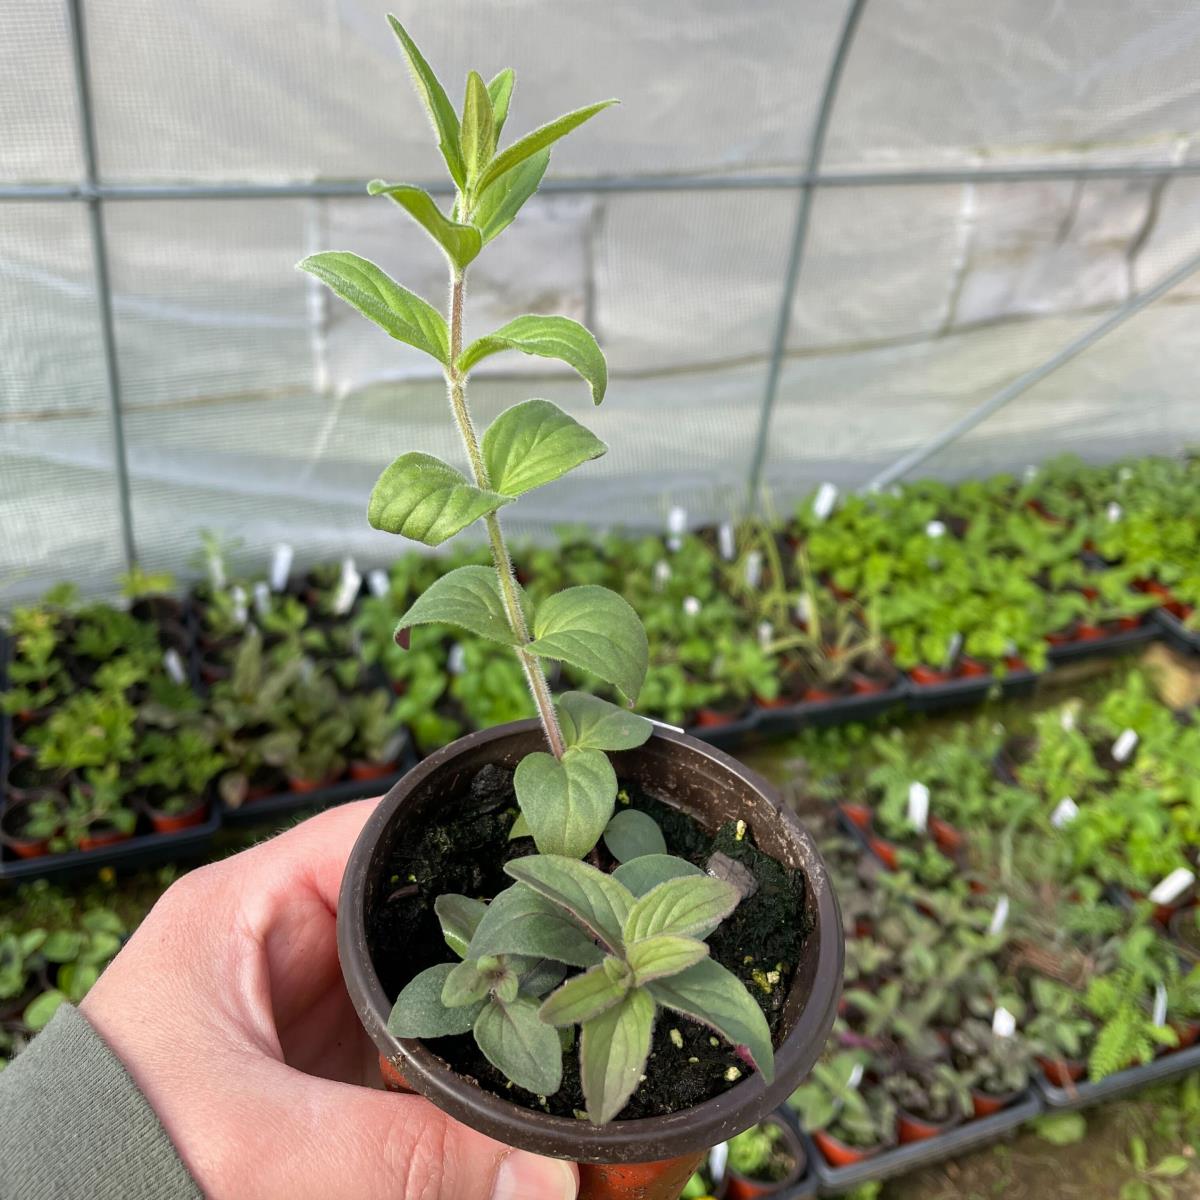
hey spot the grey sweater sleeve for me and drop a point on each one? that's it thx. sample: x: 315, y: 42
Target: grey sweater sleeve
x: 73, y: 1125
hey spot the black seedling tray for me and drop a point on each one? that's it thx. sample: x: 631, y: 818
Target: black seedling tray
x: 730, y: 736
x: 1132, y: 1079
x: 955, y: 693
x: 843, y: 709
x: 901, y: 1159
x: 1115, y: 643
x: 1016, y: 684
x: 1175, y: 633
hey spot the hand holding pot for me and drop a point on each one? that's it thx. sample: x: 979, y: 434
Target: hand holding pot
x: 228, y: 1009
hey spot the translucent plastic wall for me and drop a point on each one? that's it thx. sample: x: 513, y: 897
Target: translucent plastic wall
x: 813, y: 238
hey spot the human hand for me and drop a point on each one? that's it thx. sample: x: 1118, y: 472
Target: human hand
x: 228, y: 1009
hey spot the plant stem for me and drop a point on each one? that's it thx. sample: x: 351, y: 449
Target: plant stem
x: 456, y: 386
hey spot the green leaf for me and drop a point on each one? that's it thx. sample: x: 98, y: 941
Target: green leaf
x: 583, y: 997
x: 505, y: 986
x: 567, y: 804
x: 497, y: 207
x: 715, y: 997
x: 520, y: 828
x: 632, y: 834
x: 460, y: 243
x: 693, y: 905
x: 667, y: 954
x: 39, y: 1010
x: 62, y: 945
x: 539, y: 139
x: 478, y: 136
x: 522, y: 921
x: 459, y: 917
x: 594, y: 899
x: 1170, y: 1166
x: 500, y: 92
x: 419, y: 1011
x: 397, y: 311
x: 467, y: 597
x: 547, y: 337
x: 640, y: 875
x: 612, y: 1055
x: 590, y: 723
x: 465, y: 984
x: 1061, y: 1129
x: 437, y: 104
x: 423, y: 498
x: 597, y: 631
x: 533, y: 443
x: 543, y: 977
x: 514, y: 1040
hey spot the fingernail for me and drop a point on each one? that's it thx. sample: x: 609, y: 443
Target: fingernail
x: 524, y: 1176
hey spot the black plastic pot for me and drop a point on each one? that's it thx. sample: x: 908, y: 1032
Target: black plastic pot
x: 711, y: 788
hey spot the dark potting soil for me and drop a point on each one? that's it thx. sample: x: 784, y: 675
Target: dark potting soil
x: 465, y: 852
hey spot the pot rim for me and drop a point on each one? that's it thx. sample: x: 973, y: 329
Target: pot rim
x: 643, y: 1139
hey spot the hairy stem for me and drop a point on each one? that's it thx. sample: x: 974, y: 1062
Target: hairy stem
x: 456, y: 386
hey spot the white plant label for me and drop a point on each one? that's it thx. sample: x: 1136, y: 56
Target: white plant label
x: 824, y: 500
x: 281, y: 566
x: 1030, y: 473
x: 173, y: 665
x: 665, y: 725
x: 1067, y: 720
x: 1125, y: 745
x: 216, y: 572
x: 918, y: 806
x: 954, y: 649
x: 676, y: 526
x: 1160, y: 1005
x: 1065, y: 811
x: 725, y: 541
x: 999, y: 917
x: 456, y: 660
x: 718, y: 1160
x: 378, y: 582
x: 766, y: 634
x: 1168, y: 890
x: 1004, y: 1024
x: 803, y: 609
x: 262, y: 598
x: 347, y: 588
x: 662, y: 574
x: 1125, y: 474
x: 935, y: 529
x: 238, y: 595
x: 754, y: 564
x: 691, y: 606
x: 1114, y: 512
x: 855, y: 1076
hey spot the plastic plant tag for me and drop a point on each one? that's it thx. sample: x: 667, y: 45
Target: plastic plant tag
x: 1124, y: 746
x: 766, y: 634
x: 1004, y: 1024
x: 1065, y: 811
x: 676, y: 526
x: 378, y: 583
x: 935, y: 529
x: 1030, y: 473
x: 1067, y: 720
x: 216, y: 571
x: 999, y: 917
x: 754, y: 563
x: 725, y: 541
x: 856, y: 1075
x: 456, y: 660
x: 347, y: 588
x: 918, y: 806
x: 238, y: 595
x: 953, y: 650
x: 281, y: 566
x: 691, y: 606
x: 803, y: 609
x: 173, y: 665
x: 666, y: 725
x: 1160, y: 1005
x: 1113, y: 512
x: 1168, y: 890
x: 662, y: 574
x: 824, y: 500
x: 262, y: 599
x: 718, y: 1161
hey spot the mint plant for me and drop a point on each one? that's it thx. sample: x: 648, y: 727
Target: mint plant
x: 638, y: 933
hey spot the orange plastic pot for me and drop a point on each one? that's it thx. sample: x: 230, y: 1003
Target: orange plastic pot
x: 303, y: 786
x: 972, y: 668
x: 912, y: 1128
x: 365, y: 771
x: 947, y: 838
x: 837, y: 1153
x: 1062, y: 1072
x: 924, y: 676
x: 102, y: 838
x: 714, y: 718
x: 742, y: 1187
x: 865, y: 686
x: 175, y: 822
x: 986, y: 1105
x: 885, y: 852
x: 857, y: 814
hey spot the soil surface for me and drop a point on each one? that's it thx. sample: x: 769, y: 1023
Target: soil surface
x: 466, y: 851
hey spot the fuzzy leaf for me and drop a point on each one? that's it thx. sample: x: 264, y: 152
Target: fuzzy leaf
x: 715, y: 997
x: 639, y: 875
x: 693, y: 905
x: 41, y: 1008
x: 461, y: 243
x: 419, y: 1011
x: 590, y: 723
x: 542, y: 978
x: 498, y: 206
x: 478, y: 136
x: 547, y: 337
x: 583, y: 997
x: 612, y: 1054
x: 514, y: 1040
x: 422, y: 498
x: 567, y: 804
x: 539, y: 139
x: 465, y: 985
x: 597, y: 631
x: 437, y: 104
x: 397, y: 311
x: 667, y: 954
x: 500, y: 91
x: 595, y: 900
x: 632, y: 834
x: 467, y: 597
x: 520, y: 828
x: 533, y: 443
x: 459, y: 917
x: 522, y: 921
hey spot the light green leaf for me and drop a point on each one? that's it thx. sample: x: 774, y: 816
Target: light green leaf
x: 76, y: 979
x: 539, y: 139
x: 639, y: 875
x: 547, y: 337
x: 498, y: 206
x: 715, y: 997
x: 62, y: 945
x: 514, y: 1040
x: 478, y: 136
x: 667, y: 954
x: 693, y: 905
x: 597, y: 631
x: 460, y: 243
x: 423, y: 498
x: 591, y: 723
x: 632, y: 834
x: 467, y: 597
x: 505, y: 986
x: 567, y: 804
x: 612, y: 1055
x: 420, y: 1013
x: 533, y: 443
x: 520, y: 828
x: 522, y: 921
x: 500, y: 92
x: 1062, y: 1128
x: 583, y: 997
x: 39, y: 1010
x: 1171, y: 1166
x: 540, y: 979
x: 437, y: 104
x: 465, y: 984
x: 397, y: 311
x: 459, y: 917
x: 595, y: 900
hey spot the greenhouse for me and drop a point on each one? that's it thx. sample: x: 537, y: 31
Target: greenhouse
x: 572, y: 632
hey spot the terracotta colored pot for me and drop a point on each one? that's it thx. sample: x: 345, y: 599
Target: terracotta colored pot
x: 1014, y: 662
x: 986, y: 1105
x: 1062, y: 1072
x: 164, y: 822
x: 18, y: 751
x: 742, y: 1187
x: 885, y: 852
x: 928, y: 676
x: 863, y: 685
x: 1086, y: 632
x: 303, y: 786
x: 777, y: 702
x: 714, y: 718
x: 103, y: 836
x: 364, y: 771
x: 972, y: 668
x: 18, y: 843
x: 916, y: 1129
x: 709, y: 786
x: 814, y: 695
x: 948, y: 839
x: 837, y: 1153
x: 857, y: 814
x: 1188, y: 1033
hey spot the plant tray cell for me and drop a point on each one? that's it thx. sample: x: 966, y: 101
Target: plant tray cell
x: 955, y: 693
x: 1175, y: 633
x: 843, y: 709
x: 1115, y: 643
x: 729, y: 736
x: 1133, y: 1079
